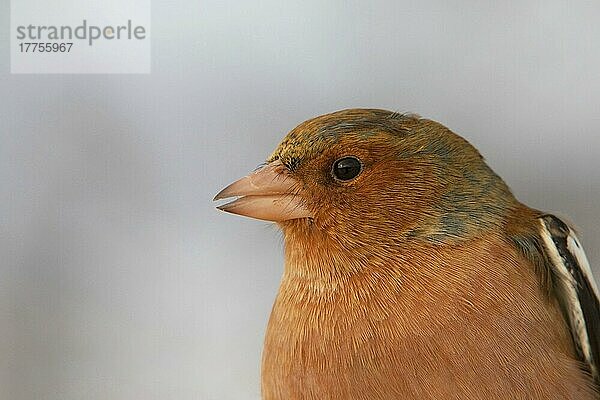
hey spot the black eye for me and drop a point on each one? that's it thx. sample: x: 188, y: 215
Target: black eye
x: 346, y: 168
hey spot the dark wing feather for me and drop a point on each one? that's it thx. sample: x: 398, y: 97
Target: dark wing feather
x: 575, y: 288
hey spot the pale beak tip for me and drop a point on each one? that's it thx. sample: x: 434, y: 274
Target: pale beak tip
x: 222, y: 194
x: 226, y: 208
x: 217, y: 197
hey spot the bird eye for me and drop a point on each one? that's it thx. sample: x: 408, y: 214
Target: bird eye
x: 346, y: 168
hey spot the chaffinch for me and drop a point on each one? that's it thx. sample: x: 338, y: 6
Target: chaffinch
x: 412, y: 272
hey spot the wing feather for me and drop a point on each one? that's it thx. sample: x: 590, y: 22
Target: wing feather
x: 575, y: 288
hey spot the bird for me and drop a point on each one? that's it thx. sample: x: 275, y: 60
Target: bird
x: 412, y: 272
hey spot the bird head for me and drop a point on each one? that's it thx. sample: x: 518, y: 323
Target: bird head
x: 363, y: 176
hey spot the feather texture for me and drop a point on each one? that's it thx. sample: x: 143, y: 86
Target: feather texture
x: 575, y: 288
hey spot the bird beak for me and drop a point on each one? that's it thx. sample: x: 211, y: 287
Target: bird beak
x: 269, y: 193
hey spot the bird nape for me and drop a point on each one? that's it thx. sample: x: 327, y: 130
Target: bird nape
x: 411, y: 271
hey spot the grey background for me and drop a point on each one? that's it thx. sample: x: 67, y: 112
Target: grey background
x: 119, y: 280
